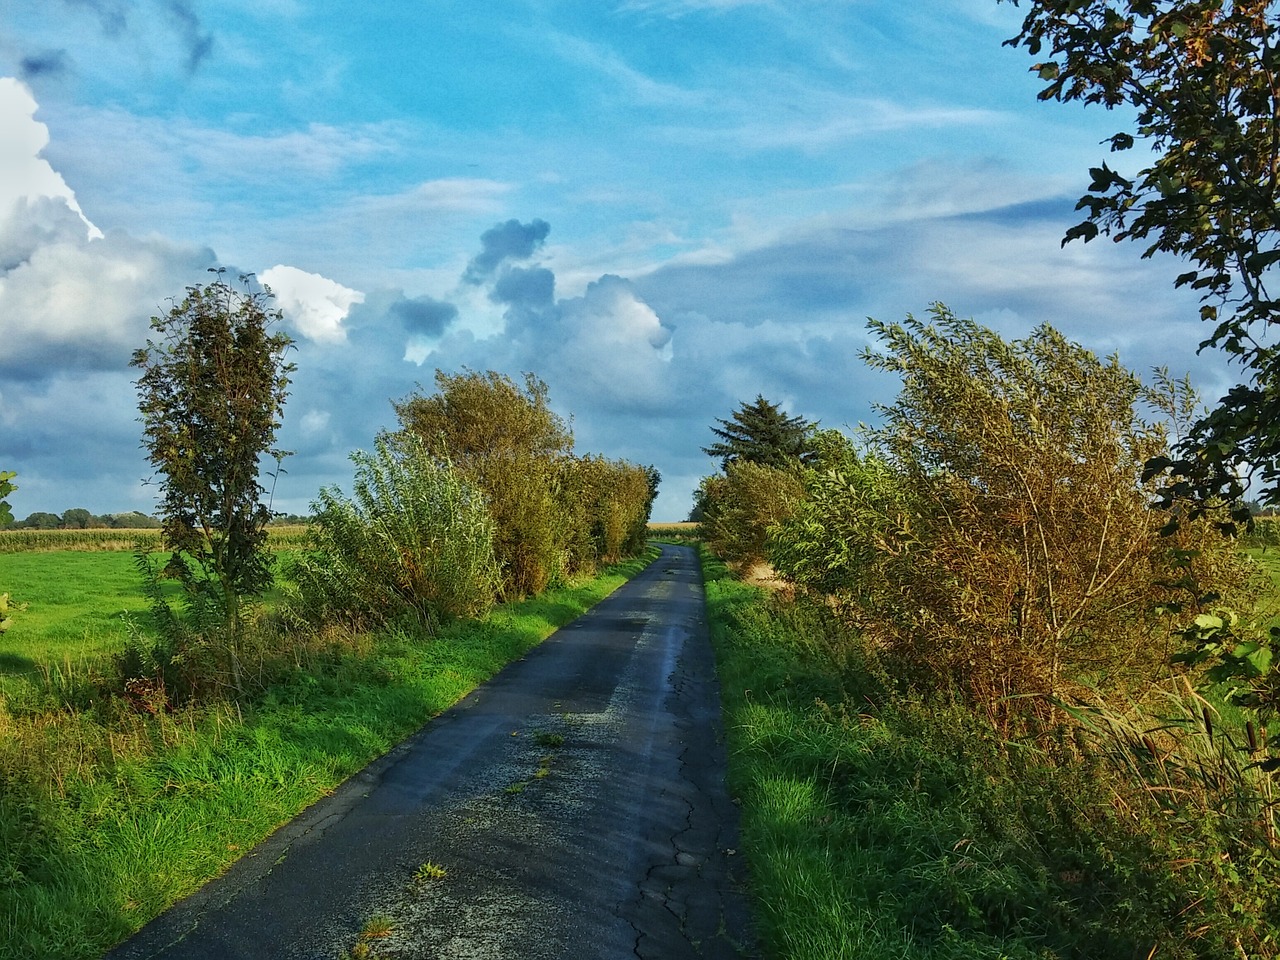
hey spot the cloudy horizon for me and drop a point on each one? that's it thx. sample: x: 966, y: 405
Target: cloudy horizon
x: 661, y: 208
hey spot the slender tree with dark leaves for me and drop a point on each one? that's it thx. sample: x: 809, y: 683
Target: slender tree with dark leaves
x: 211, y: 395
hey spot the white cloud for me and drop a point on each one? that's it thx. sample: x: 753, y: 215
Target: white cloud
x: 70, y: 297
x: 85, y: 305
x: 315, y: 305
x: 24, y: 174
x: 640, y: 87
x: 314, y: 422
x: 453, y: 194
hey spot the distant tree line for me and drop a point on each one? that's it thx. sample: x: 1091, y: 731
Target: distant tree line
x: 78, y: 518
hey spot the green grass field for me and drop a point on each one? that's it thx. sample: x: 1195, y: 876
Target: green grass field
x: 108, y: 816
x: 77, y: 607
x: 76, y: 604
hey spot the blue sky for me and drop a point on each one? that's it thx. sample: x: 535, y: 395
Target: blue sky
x: 660, y: 207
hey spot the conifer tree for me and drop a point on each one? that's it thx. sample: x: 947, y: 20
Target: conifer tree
x: 762, y: 432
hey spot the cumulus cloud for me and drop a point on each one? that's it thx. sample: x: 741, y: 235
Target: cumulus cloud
x: 531, y: 288
x: 423, y: 316
x: 512, y: 240
x: 606, y: 349
x: 314, y: 304
x: 70, y: 297
x: 24, y: 174
x: 85, y: 305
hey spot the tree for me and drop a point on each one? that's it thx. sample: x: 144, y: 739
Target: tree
x: 840, y: 541
x: 1202, y: 76
x: 741, y: 505
x: 480, y: 417
x: 761, y: 432
x: 509, y: 443
x: 6, y: 487
x: 77, y: 518
x: 996, y: 536
x: 211, y: 394
x: 40, y: 520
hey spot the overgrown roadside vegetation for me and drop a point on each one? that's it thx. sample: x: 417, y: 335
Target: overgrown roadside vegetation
x: 110, y: 813
x: 882, y: 825
x: 1000, y: 704
x: 138, y: 770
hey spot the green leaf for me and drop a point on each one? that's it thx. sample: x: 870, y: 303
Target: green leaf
x: 1257, y: 655
x: 1260, y: 261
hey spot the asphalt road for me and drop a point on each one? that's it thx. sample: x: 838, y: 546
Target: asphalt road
x: 575, y: 803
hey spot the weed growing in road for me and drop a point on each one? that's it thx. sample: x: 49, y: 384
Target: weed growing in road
x: 377, y: 927
x: 547, y: 739
x: 429, y: 871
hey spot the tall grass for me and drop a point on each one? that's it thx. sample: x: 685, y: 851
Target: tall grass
x: 880, y: 825
x: 414, y: 536
x: 109, y: 814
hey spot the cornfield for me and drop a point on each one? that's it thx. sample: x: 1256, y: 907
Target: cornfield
x: 19, y: 541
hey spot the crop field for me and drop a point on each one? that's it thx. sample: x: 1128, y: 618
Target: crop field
x: 25, y: 541
x: 686, y: 531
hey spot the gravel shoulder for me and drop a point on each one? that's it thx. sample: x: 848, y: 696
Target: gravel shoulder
x: 574, y: 806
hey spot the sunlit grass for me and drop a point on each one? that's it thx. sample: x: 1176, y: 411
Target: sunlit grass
x: 106, y: 820
x: 878, y: 825
x: 75, y: 608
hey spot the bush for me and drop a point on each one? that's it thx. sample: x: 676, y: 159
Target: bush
x: 416, y: 537
x: 739, y: 506
x: 509, y: 444
x: 997, y: 536
x: 605, y: 508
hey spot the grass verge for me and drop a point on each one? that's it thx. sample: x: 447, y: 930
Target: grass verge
x: 105, y: 820
x: 880, y: 826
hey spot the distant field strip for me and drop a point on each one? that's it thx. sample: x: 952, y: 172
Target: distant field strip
x: 22, y: 541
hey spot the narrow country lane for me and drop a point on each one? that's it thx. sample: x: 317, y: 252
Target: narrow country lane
x: 575, y: 803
